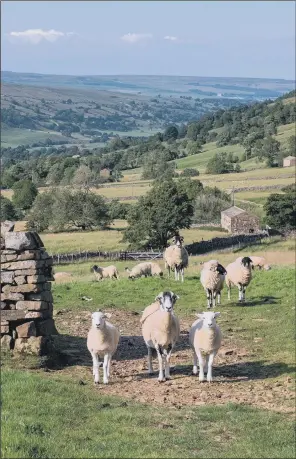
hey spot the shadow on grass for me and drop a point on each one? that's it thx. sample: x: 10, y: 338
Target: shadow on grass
x: 72, y: 350
x: 259, y: 301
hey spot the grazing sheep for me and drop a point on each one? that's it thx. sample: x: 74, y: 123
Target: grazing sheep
x: 102, y: 341
x: 212, y: 279
x: 239, y: 273
x: 258, y: 262
x: 176, y: 258
x: 144, y: 269
x: 205, y: 339
x: 161, y: 330
x: 104, y: 273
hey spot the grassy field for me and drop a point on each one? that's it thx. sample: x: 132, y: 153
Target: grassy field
x: 13, y: 137
x: 247, y: 412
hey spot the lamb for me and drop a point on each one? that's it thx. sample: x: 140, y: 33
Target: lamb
x: 205, y: 338
x: 212, y: 279
x: 104, y: 273
x: 144, y: 269
x: 176, y: 258
x: 161, y: 330
x: 258, y: 262
x: 102, y: 341
x: 239, y: 273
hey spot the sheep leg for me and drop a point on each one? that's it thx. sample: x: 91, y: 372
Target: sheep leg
x: 96, y: 365
x: 210, y: 366
x: 206, y: 365
x: 176, y: 274
x: 160, y: 364
x: 182, y: 274
x: 240, y: 292
x: 243, y: 293
x: 209, y: 298
x: 108, y: 367
x: 150, y: 367
x: 167, y: 362
x: 214, y: 294
x: 194, y: 370
x: 201, y: 366
x: 219, y: 297
x: 107, y: 358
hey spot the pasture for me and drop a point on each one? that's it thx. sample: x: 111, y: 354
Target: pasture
x: 246, y: 412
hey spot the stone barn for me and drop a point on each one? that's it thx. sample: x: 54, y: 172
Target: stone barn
x: 236, y: 220
x: 289, y: 161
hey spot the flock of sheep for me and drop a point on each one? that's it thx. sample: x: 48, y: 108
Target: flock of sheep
x: 160, y: 325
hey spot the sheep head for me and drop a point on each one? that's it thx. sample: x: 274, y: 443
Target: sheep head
x: 167, y: 301
x: 94, y: 268
x: 208, y: 318
x: 246, y: 262
x: 98, y: 319
x: 221, y: 269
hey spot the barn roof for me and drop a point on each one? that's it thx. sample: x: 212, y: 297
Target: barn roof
x: 233, y: 211
x: 289, y: 157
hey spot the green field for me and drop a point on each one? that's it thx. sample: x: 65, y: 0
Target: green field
x: 247, y: 412
x: 13, y: 137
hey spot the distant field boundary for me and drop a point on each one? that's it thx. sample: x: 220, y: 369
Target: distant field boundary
x: 197, y: 248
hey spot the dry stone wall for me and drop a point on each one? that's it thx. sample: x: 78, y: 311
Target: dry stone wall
x: 26, y: 299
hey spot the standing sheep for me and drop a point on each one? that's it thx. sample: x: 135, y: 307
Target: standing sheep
x: 258, y: 262
x: 102, y: 341
x: 239, y: 273
x: 212, y: 279
x: 161, y: 330
x: 146, y: 269
x: 104, y: 273
x: 176, y: 257
x: 205, y: 339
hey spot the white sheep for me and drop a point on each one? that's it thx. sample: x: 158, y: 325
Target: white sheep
x: 258, y: 262
x: 205, y: 339
x: 161, y: 330
x: 145, y: 269
x: 239, y: 273
x: 104, y: 273
x: 102, y: 341
x: 176, y: 258
x: 212, y: 279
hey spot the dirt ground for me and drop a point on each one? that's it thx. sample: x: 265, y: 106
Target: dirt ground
x: 238, y: 376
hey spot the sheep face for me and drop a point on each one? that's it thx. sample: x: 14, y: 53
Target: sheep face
x: 208, y: 318
x: 94, y: 268
x: 98, y: 320
x: 246, y: 262
x: 167, y: 301
x: 221, y: 269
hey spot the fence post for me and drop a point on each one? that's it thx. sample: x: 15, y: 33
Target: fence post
x: 58, y: 258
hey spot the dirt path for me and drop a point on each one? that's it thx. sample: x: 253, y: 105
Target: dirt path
x: 238, y: 376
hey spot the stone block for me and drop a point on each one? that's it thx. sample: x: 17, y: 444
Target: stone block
x: 6, y: 342
x: 29, y: 255
x: 20, y: 280
x: 8, y: 252
x: 27, y: 272
x: 24, y: 288
x: 4, y: 329
x: 26, y: 330
x: 36, y: 279
x: 37, y: 315
x: 48, y: 262
x: 20, y: 265
x: 12, y: 296
x: 47, y: 286
x: 6, y: 227
x: 22, y: 240
x: 7, y: 277
x: 36, y: 345
x: 32, y: 305
x: 3, y: 305
x: 12, y: 315
x: 41, y: 296
x: 46, y: 327
x: 5, y: 258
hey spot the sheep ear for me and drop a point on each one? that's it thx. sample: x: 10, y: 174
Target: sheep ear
x: 174, y: 296
x: 217, y: 314
x: 158, y: 297
x: 199, y: 315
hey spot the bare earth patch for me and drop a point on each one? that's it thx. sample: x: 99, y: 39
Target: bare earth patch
x: 238, y: 376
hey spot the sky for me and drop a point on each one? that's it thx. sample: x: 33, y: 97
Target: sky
x: 195, y: 38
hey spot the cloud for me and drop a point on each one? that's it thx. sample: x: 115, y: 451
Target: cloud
x: 35, y: 36
x: 169, y: 37
x: 135, y: 37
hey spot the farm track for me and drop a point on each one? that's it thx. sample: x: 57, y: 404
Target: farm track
x: 239, y: 377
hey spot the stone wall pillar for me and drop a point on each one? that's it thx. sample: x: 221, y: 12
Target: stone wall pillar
x: 26, y: 299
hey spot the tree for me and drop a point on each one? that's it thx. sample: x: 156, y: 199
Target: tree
x: 158, y: 215
x: 280, y: 209
x: 156, y: 167
x: 194, y: 148
x: 219, y: 164
x: 171, y: 132
x: 292, y: 145
x: 69, y: 208
x: 7, y: 210
x: 190, y: 172
x: 118, y: 210
x: 209, y: 204
x: 267, y: 149
x: 84, y: 177
x: 190, y: 187
x: 24, y: 194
